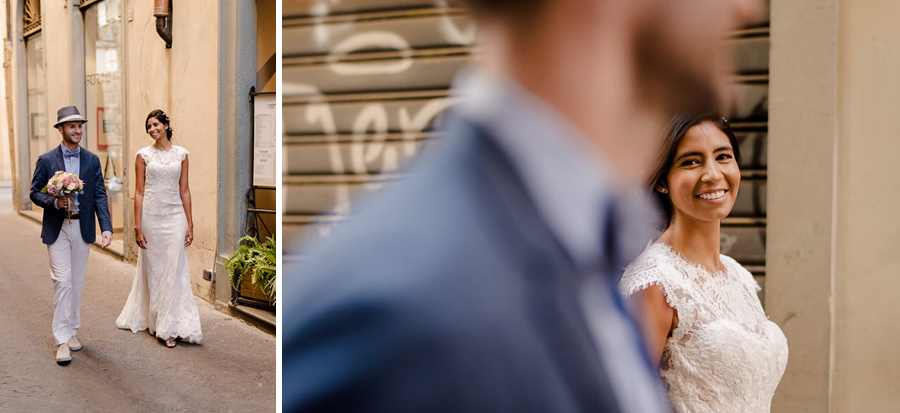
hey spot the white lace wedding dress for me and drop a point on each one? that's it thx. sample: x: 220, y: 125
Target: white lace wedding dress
x: 724, y: 355
x: 161, y: 299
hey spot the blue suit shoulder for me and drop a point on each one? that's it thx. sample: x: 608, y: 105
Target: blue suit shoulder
x: 49, y: 155
x: 420, y: 278
x: 417, y: 239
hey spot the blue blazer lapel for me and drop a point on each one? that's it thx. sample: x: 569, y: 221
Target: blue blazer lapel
x: 84, y: 165
x: 553, y: 286
x: 60, y: 164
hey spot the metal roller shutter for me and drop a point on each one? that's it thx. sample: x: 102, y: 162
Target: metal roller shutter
x: 365, y: 86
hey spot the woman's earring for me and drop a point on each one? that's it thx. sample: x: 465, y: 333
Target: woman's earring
x: 664, y: 190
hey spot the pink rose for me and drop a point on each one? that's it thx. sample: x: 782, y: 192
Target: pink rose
x: 52, y: 190
x: 67, y: 181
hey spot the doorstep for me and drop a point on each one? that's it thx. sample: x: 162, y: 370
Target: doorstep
x: 265, y: 319
x: 37, y: 216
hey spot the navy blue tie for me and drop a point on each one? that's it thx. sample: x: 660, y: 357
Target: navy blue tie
x: 617, y: 256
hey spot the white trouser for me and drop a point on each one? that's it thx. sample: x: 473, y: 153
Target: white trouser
x: 68, y: 262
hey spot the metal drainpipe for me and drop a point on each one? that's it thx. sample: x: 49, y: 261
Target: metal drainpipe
x: 161, y: 12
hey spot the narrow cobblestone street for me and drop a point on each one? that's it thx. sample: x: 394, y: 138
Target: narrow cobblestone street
x: 117, y: 370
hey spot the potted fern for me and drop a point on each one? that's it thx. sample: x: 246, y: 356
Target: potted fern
x: 256, y: 259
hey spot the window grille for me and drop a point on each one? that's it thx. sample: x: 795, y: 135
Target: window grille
x: 32, y: 16
x: 84, y: 3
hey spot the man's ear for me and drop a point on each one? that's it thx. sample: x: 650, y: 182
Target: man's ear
x: 60, y: 129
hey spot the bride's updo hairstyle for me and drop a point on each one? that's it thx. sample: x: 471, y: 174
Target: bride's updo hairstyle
x: 675, y: 130
x: 162, y: 118
x: 521, y: 13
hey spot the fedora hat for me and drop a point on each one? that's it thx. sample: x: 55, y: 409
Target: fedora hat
x: 68, y: 114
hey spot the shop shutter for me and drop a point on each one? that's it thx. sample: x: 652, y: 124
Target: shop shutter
x: 366, y: 83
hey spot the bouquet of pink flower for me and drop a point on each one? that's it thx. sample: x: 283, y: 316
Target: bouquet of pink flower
x: 64, y: 184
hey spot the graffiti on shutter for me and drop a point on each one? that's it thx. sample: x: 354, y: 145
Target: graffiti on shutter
x: 366, y: 84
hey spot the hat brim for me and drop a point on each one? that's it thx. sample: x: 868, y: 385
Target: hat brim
x: 72, y: 118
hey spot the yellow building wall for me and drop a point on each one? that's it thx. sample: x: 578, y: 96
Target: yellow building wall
x: 867, y: 238
x: 182, y: 81
x: 832, y: 228
x: 56, y: 29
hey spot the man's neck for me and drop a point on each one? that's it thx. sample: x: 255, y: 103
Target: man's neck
x: 70, y: 146
x: 604, y: 107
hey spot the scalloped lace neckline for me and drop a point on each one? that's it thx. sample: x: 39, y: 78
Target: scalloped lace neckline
x: 153, y: 147
x: 670, y: 250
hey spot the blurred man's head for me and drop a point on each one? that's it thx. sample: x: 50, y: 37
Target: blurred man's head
x: 682, y: 51
x: 614, y: 66
x: 677, y: 45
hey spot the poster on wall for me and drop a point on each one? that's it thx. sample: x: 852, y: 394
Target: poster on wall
x: 102, y: 130
x: 264, y: 141
x: 38, y: 126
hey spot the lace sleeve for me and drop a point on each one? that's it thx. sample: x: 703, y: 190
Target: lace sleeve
x: 182, y: 153
x: 754, y: 284
x: 647, y: 271
x: 144, y: 154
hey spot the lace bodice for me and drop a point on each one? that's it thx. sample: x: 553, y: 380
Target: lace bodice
x: 724, y: 355
x: 162, y: 172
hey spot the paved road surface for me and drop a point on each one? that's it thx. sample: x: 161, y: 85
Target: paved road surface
x: 117, y: 370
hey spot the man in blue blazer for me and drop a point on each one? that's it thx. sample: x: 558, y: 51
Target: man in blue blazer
x: 486, y: 281
x: 68, y: 226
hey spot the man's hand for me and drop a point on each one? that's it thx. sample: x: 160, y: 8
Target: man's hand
x: 62, y: 203
x: 107, y: 239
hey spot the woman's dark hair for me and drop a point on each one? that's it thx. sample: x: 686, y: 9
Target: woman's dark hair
x: 516, y: 11
x: 675, y: 131
x: 162, y: 118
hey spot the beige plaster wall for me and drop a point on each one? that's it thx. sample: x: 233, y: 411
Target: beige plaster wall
x: 194, y: 92
x: 832, y: 227
x: 866, y: 362
x: 56, y: 29
x: 182, y: 82
x: 799, y: 249
x: 6, y: 159
x: 16, y: 88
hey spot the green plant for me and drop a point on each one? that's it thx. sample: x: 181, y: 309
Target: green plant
x: 256, y: 259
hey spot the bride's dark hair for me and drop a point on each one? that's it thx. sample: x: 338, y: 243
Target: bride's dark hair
x: 162, y: 118
x: 676, y: 129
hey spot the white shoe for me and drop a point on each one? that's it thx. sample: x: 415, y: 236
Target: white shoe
x: 62, y: 354
x: 74, y: 344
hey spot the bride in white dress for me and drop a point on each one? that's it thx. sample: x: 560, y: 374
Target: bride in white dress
x: 161, y: 299
x: 716, y: 350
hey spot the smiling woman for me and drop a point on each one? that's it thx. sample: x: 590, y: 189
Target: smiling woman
x: 702, y: 318
x: 683, y: 151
